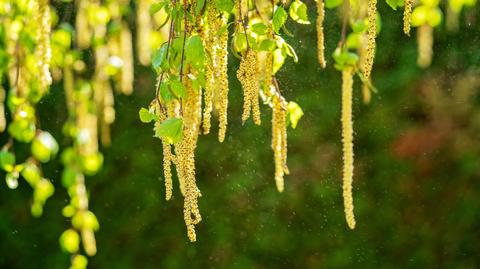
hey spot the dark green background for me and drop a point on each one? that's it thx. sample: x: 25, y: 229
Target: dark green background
x: 416, y: 185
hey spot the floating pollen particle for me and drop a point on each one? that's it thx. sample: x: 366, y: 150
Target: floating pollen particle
x: 320, y: 34
x: 371, y: 35
x: 347, y: 134
x: 407, y: 13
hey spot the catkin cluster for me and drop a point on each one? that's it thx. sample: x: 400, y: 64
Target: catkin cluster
x: 248, y: 75
x: 185, y: 158
x: 216, y: 64
x: 371, y: 35
x: 279, y: 140
x: 347, y: 139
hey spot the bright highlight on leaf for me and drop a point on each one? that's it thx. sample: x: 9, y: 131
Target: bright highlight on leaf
x: 171, y: 130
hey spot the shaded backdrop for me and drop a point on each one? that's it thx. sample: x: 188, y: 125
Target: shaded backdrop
x: 416, y: 184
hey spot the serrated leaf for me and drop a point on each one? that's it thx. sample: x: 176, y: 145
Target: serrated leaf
x: 259, y: 28
x: 199, y: 7
x: 159, y: 58
x: 298, y: 12
x: 155, y: 7
x: 240, y: 42
x: 170, y: 130
x: 278, y: 59
x: 177, y: 87
x: 333, y: 3
x: 279, y: 19
x: 295, y: 113
x: 165, y: 93
x: 145, y: 115
x: 194, y: 51
x: 394, y: 3
x: 224, y: 5
x: 268, y: 45
x: 290, y: 51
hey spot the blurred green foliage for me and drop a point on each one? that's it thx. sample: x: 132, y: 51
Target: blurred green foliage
x: 416, y: 187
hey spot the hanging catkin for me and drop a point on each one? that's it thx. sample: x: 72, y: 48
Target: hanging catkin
x: 371, y: 34
x: 347, y: 134
x: 222, y: 81
x: 210, y: 40
x: 320, y: 34
x: 167, y: 151
x: 279, y: 140
x: 407, y: 13
x: 185, y: 152
x: 249, y: 76
x: 44, y: 51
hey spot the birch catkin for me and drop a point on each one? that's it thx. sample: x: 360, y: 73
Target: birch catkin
x: 320, y: 34
x: 44, y: 50
x: 407, y: 13
x: 223, y: 82
x: 347, y: 134
x: 371, y: 35
x: 279, y: 141
x: 249, y: 76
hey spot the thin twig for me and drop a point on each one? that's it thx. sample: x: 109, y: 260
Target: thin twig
x: 184, y: 37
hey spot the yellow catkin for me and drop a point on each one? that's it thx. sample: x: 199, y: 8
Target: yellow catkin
x: 144, y: 30
x: 279, y: 140
x: 320, y: 34
x: 425, y: 45
x: 371, y: 35
x: 185, y: 152
x: 407, y: 13
x: 167, y: 152
x: 44, y: 50
x: 268, y: 75
x: 222, y: 81
x: 347, y: 134
x: 167, y: 170
x: 249, y: 76
x: 210, y: 43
